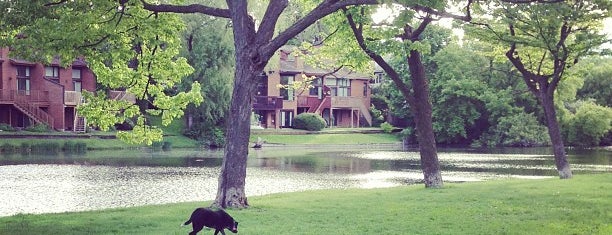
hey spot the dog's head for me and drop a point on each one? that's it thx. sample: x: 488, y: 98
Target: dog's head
x: 234, y: 228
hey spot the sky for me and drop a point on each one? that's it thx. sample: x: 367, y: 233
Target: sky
x: 387, y: 14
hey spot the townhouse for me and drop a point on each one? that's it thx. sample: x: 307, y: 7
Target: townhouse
x: 341, y: 97
x: 32, y: 93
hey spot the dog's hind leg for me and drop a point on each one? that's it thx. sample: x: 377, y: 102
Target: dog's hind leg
x: 196, y: 229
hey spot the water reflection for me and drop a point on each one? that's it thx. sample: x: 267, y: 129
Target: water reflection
x: 106, y: 179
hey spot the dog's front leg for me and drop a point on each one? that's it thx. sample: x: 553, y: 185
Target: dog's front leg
x: 219, y: 230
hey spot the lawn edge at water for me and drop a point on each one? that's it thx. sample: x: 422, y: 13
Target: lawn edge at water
x: 580, y: 205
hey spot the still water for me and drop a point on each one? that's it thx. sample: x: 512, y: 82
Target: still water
x: 109, y: 179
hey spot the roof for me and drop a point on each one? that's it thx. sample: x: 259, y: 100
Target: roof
x: 291, y: 67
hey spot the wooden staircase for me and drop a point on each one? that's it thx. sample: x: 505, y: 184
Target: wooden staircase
x: 80, y: 124
x: 365, y: 111
x: 33, y: 112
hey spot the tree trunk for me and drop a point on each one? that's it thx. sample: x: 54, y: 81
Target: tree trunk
x: 231, y: 191
x: 563, y: 166
x: 423, y: 120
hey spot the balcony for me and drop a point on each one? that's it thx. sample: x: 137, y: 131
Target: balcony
x: 73, y: 98
x: 122, y: 95
x: 9, y: 96
x: 268, y: 102
x: 347, y: 102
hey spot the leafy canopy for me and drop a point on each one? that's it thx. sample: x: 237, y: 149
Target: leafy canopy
x: 126, y: 46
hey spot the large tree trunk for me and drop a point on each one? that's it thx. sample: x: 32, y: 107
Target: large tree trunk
x: 563, y: 166
x: 231, y: 191
x: 423, y: 120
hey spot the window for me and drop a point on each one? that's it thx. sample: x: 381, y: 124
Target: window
x: 317, y: 89
x: 287, y: 94
x: 23, y: 79
x: 52, y: 73
x: 76, y: 79
x: 339, y: 86
x: 286, y: 118
x: 365, y: 89
x: 344, y: 87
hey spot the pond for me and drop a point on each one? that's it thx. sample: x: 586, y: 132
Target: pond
x: 123, y: 178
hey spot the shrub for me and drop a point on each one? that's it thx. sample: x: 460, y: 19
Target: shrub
x: 309, y: 121
x: 519, y: 130
x: 386, y: 127
x: 589, y: 125
x: 6, y: 127
x: 39, y: 127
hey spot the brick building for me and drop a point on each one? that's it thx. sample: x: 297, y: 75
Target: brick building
x: 342, y: 98
x: 33, y: 93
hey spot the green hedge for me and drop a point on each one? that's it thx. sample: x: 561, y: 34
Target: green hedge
x: 309, y: 121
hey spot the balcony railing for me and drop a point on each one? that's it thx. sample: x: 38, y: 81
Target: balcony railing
x: 346, y: 102
x: 122, y: 95
x: 268, y: 102
x: 73, y: 98
x: 28, y: 96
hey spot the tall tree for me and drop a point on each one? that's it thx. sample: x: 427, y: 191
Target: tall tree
x: 209, y: 50
x: 406, y: 32
x: 254, y: 45
x: 543, y: 40
x: 253, y: 48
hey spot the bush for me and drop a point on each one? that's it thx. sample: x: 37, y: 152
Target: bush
x: 386, y: 127
x: 519, y: 130
x: 39, y: 127
x: 589, y: 125
x: 309, y: 121
x: 6, y: 127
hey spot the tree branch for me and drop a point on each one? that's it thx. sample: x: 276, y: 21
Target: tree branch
x: 358, y: 33
x: 467, y: 17
x: 192, y: 8
x: 323, y: 9
x: 270, y: 18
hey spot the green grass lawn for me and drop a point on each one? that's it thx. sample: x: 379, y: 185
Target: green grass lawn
x: 326, y: 138
x: 582, y: 205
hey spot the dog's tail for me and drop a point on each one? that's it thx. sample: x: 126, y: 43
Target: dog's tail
x: 187, y: 222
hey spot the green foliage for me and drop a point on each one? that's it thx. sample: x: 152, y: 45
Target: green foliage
x: 6, y: 127
x: 209, y: 50
x: 518, y: 130
x: 588, y: 124
x: 39, y: 127
x: 377, y: 116
x: 597, y: 75
x: 386, y: 127
x: 309, y: 121
x: 126, y: 46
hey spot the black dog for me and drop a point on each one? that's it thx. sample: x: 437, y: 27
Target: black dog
x: 219, y: 220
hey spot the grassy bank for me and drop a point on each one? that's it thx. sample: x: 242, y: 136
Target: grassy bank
x: 104, y: 140
x: 551, y: 206
x: 98, y: 143
x: 332, y: 136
